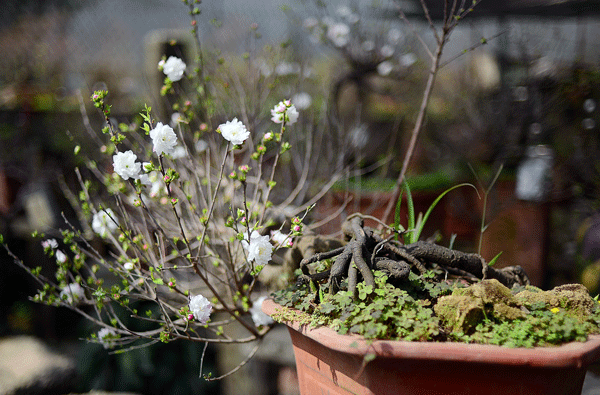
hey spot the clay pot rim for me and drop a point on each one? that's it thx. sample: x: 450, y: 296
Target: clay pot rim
x: 573, y: 354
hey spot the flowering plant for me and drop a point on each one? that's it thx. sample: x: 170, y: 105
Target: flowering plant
x: 184, y: 234
x: 174, y: 222
x: 176, y: 228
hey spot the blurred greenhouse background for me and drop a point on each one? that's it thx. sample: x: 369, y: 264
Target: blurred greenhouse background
x: 520, y: 88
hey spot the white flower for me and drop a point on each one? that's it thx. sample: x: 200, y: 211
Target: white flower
x: 278, y: 113
x: 588, y: 123
x: 173, y: 68
x: 60, y: 256
x: 264, y: 67
x: 234, y: 131
x: 368, y: 46
x: 104, y: 222
x: 344, y: 11
x: 292, y: 114
x: 106, y: 337
x: 259, y: 248
x: 201, y: 146
x: 163, y: 138
x: 394, y: 35
x: 339, y: 34
x: 286, y: 68
x: 589, y: 105
x: 281, y: 239
x: 385, y: 68
x: 125, y: 165
x: 386, y: 51
x: 310, y: 22
x: 284, y: 111
x: 179, y: 152
x: 302, y: 100
x: 278, y: 237
x: 176, y: 118
x: 408, y: 59
x: 72, y: 293
x: 260, y: 318
x: 129, y: 266
x: 50, y: 243
x: 201, y: 308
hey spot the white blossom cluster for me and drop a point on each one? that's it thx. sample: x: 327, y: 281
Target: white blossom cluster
x: 163, y: 138
x: 260, y: 318
x: 173, y: 68
x: 284, y: 111
x: 104, y: 223
x: 259, y: 248
x: 164, y: 141
x: 234, y: 131
x: 342, y: 31
x: 200, y: 308
x: 106, y: 336
x: 72, y: 293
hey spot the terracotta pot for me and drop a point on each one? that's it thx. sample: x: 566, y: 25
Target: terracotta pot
x: 329, y: 363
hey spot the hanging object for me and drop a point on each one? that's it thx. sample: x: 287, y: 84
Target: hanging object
x: 534, y: 173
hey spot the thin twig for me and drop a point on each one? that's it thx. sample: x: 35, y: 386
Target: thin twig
x: 472, y: 48
x: 412, y: 28
x: 238, y: 367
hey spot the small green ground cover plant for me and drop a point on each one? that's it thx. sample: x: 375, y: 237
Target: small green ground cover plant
x: 423, y: 309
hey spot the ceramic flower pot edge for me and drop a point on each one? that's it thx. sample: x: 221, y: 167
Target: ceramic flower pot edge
x: 573, y: 354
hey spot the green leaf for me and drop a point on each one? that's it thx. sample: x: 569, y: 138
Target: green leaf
x: 452, y: 239
x: 494, y: 259
x: 368, y: 358
x: 158, y: 281
x: 410, y: 237
x: 418, y: 231
x: 326, y: 308
x: 397, y: 213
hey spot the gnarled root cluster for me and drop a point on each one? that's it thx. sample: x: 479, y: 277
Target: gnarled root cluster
x: 367, y: 251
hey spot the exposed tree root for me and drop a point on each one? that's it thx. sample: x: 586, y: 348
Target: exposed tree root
x: 366, y: 251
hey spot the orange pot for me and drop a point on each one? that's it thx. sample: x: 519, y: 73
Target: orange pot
x: 329, y: 363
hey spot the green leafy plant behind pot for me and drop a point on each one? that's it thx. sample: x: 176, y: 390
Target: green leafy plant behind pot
x: 415, y: 228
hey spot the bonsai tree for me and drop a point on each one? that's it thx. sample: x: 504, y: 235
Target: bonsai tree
x: 381, y: 288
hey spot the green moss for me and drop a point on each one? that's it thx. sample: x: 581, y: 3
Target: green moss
x: 460, y: 312
x: 467, y: 307
x: 574, y: 299
x: 486, y: 312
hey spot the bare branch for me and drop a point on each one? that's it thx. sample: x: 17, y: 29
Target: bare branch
x: 431, y: 24
x: 473, y: 47
x: 414, y: 31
